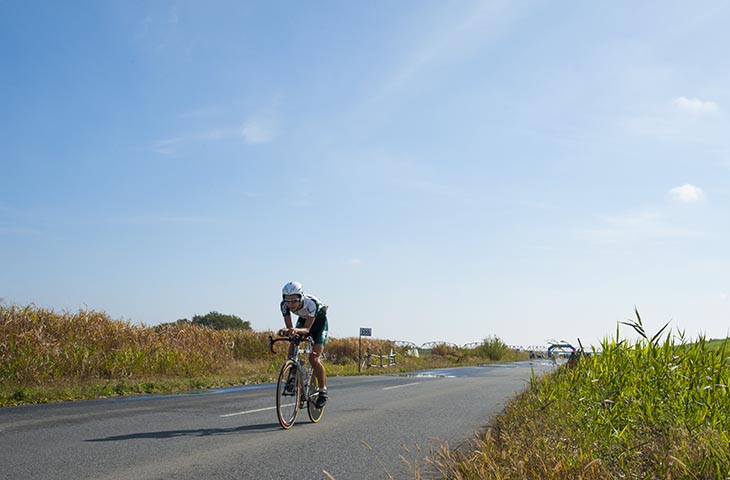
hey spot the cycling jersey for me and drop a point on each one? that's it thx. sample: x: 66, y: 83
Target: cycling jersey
x: 311, y: 307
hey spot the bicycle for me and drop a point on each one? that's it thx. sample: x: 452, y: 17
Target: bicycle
x: 296, y: 382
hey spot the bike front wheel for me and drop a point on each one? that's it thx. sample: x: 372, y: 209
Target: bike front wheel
x: 288, y: 391
x: 315, y: 414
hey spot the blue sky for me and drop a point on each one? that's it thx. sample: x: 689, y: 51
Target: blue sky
x: 434, y: 170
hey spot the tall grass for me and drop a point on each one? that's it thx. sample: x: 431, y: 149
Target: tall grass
x: 39, y: 345
x: 41, y: 349
x: 644, y: 410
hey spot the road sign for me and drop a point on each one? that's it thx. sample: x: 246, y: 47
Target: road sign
x: 364, y: 332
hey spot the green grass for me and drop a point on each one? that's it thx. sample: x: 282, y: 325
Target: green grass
x: 653, y: 409
x: 717, y: 344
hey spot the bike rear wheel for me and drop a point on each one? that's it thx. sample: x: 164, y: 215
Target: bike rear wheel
x: 287, y: 402
x: 315, y: 414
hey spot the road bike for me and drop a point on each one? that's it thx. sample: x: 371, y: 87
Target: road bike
x: 297, y: 386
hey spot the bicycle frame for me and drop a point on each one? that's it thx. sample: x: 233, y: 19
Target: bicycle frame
x: 304, y: 370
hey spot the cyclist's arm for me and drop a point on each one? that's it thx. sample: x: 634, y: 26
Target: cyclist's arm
x: 288, y: 330
x: 287, y: 321
x: 308, y: 322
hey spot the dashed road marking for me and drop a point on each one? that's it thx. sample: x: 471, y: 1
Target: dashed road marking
x: 252, y: 411
x: 404, y: 385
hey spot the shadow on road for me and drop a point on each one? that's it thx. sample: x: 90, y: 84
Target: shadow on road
x: 202, y: 432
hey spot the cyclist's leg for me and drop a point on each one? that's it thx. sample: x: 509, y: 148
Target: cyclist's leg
x: 314, y: 360
x: 319, y: 336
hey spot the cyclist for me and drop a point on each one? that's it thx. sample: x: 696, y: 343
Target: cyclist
x: 312, y: 322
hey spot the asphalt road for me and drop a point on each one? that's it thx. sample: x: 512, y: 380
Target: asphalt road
x: 234, y: 434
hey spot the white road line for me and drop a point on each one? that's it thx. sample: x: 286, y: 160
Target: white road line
x: 404, y: 385
x: 253, y: 411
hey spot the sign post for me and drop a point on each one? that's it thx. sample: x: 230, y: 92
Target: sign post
x: 364, y: 332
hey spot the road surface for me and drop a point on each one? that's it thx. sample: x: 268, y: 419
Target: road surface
x: 233, y: 433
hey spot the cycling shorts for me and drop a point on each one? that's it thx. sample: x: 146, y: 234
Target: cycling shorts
x: 319, y: 329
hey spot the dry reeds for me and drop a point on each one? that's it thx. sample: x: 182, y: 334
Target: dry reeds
x: 39, y: 345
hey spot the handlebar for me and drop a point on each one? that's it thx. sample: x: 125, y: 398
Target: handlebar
x: 295, y: 339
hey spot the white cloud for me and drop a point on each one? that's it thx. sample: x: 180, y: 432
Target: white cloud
x: 687, y: 193
x: 171, y: 146
x: 354, y: 261
x: 256, y: 132
x: 219, y: 134
x: 167, y: 146
x: 164, y: 219
x: 695, y: 105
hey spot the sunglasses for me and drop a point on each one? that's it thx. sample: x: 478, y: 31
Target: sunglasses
x: 291, y: 300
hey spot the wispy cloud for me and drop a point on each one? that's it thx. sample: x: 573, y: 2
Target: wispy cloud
x: 257, y: 129
x: 354, y: 261
x: 15, y: 230
x: 427, y: 186
x: 687, y: 193
x: 260, y: 127
x: 251, y: 133
x: 662, y: 221
x: 452, y: 38
x: 695, y: 105
x: 254, y: 133
x: 683, y: 120
x: 632, y: 220
x: 637, y: 227
x: 165, y: 219
x: 169, y: 146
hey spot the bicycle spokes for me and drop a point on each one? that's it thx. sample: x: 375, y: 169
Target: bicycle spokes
x: 288, y: 392
x: 315, y: 414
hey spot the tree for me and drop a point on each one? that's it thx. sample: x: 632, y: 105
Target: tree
x: 220, y: 321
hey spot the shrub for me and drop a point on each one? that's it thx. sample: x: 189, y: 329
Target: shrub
x: 444, y: 350
x: 492, y: 348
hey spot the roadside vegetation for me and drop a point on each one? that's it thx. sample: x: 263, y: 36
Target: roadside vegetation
x: 655, y: 408
x: 49, y: 356
x: 658, y: 407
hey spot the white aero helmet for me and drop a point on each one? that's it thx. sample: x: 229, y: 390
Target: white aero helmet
x: 292, y: 288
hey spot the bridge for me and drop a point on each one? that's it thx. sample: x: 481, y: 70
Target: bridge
x: 471, y: 345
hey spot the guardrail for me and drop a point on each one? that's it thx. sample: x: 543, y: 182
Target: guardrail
x: 383, y: 360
